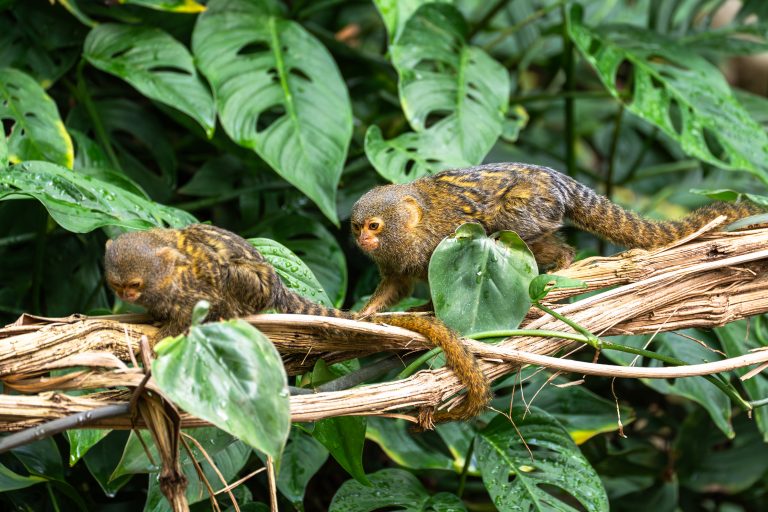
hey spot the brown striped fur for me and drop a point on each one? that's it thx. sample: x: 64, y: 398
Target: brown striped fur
x: 176, y: 268
x: 530, y: 200
x: 179, y: 267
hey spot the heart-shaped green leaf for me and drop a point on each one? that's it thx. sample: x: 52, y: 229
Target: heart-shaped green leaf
x: 37, y: 132
x: 156, y: 64
x: 479, y: 283
x: 278, y: 92
x: 230, y: 374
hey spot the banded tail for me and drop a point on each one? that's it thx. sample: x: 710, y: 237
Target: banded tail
x: 597, y: 214
x: 287, y: 301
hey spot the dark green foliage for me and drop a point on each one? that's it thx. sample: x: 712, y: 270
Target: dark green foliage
x: 271, y: 118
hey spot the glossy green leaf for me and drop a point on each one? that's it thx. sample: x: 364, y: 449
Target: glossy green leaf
x: 41, y: 458
x: 520, y: 480
x: 391, y: 488
x: 156, y: 64
x: 236, y: 381
x: 344, y: 437
x: 302, y: 458
x: 180, y: 6
x: 292, y: 270
x: 738, y: 338
x: 402, y: 447
x: 541, y: 285
x: 479, y: 283
x: 36, y: 132
x: 677, y: 91
x: 83, y: 439
x: 317, y: 247
x: 81, y: 203
x: 10, y: 481
x: 278, y: 92
x: 696, y: 389
x: 455, y: 97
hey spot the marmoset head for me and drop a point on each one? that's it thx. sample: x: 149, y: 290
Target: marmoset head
x: 383, y: 216
x: 137, y: 263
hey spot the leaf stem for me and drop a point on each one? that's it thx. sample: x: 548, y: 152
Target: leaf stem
x: 570, y: 116
x: 82, y: 94
x: 522, y: 23
x: 423, y: 358
x: 599, y: 344
x: 492, y: 12
x: 465, y: 469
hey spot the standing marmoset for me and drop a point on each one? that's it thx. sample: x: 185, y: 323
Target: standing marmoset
x: 399, y: 226
x: 169, y: 270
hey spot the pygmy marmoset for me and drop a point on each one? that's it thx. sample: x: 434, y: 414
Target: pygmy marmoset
x: 400, y: 225
x: 169, y: 270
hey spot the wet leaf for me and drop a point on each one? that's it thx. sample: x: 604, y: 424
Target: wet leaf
x: 230, y: 374
x: 81, y: 203
x: 278, y: 92
x: 479, y: 283
x: 520, y: 480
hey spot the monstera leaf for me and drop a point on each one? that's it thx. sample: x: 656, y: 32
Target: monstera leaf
x: 278, y: 92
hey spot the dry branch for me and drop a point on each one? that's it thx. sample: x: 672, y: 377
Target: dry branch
x: 708, y: 282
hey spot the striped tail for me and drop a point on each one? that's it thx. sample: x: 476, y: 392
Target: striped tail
x: 597, y: 214
x: 287, y: 301
x: 457, y: 357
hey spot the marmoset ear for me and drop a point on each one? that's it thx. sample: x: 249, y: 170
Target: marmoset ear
x: 414, y: 211
x: 171, y: 255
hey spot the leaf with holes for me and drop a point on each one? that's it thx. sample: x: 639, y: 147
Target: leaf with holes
x: 676, y: 90
x: 454, y: 95
x: 81, y: 203
x: 156, y: 64
x: 37, y: 132
x: 522, y: 460
x: 278, y: 92
x: 230, y: 374
x: 480, y: 283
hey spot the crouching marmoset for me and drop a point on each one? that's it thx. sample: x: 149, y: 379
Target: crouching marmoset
x: 399, y: 226
x: 169, y: 270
